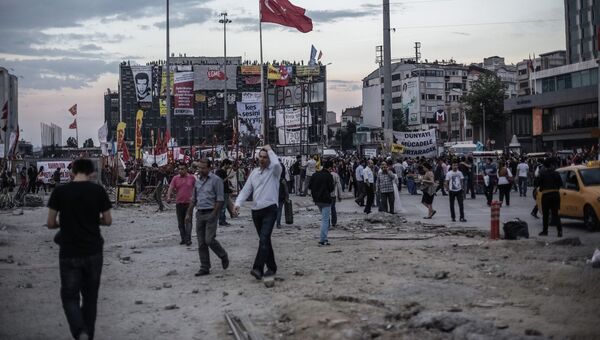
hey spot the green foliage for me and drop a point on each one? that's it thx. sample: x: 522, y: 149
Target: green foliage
x: 487, y: 93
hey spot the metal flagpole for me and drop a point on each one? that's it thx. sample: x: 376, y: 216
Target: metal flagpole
x: 225, y: 21
x: 168, y: 92
x: 77, y: 132
x: 262, y: 76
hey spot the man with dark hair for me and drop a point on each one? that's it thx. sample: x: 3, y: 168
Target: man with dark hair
x: 208, y: 199
x: 384, y: 185
x: 183, y: 184
x: 549, y: 186
x: 454, y: 181
x: 225, y: 174
x: 142, y: 86
x: 83, y: 207
x: 321, y: 187
x: 263, y: 184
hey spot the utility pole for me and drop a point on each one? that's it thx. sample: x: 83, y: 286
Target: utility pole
x: 417, y: 52
x: 168, y: 65
x: 225, y: 21
x: 387, y: 66
x: 483, y: 132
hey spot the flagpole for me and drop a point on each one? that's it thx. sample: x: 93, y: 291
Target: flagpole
x: 262, y: 77
x: 77, y: 132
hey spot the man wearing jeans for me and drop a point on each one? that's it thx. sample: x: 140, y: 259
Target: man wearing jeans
x: 523, y: 172
x: 263, y: 184
x: 83, y: 206
x: 384, y: 185
x: 208, y: 199
x: 321, y: 187
x: 184, y: 185
x: 454, y: 180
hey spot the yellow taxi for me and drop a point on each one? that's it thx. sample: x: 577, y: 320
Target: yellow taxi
x: 580, y: 193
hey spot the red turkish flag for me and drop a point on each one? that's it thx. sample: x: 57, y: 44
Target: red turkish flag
x: 73, y: 125
x: 73, y: 110
x: 284, y: 13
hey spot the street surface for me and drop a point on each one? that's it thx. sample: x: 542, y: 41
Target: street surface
x: 384, y: 277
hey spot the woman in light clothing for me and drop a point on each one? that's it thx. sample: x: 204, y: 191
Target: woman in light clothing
x: 336, y: 194
x: 428, y: 188
x: 504, y: 182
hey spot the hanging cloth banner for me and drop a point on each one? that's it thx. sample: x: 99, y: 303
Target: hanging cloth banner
x: 273, y: 73
x: 250, y: 70
x: 418, y: 143
x: 251, y: 97
x: 212, y: 77
x: 291, y: 126
x: 138, y: 134
x: 249, y: 119
x: 184, y: 94
x: 120, y: 134
x: 307, y: 71
x: 142, y: 77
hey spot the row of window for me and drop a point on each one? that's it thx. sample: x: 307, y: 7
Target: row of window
x: 570, y: 81
x: 570, y: 117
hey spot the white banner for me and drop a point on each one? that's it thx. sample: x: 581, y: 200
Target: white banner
x: 142, y: 78
x: 184, y: 93
x: 292, y: 127
x: 249, y: 119
x: 251, y: 97
x: 160, y: 160
x: 103, y: 133
x: 50, y: 167
x: 418, y: 143
x: 411, y: 104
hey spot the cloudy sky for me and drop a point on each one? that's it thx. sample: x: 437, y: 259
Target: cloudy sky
x: 67, y: 51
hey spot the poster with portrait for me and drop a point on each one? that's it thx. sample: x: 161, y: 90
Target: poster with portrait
x: 411, y: 104
x: 142, y: 77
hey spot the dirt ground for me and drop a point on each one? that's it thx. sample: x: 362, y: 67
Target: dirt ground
x: 383, y: 277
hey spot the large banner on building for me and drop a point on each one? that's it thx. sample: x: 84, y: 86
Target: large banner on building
x: 292, y: 125
x: 306, y: 71
x: 537, y: 121
x: 212, y: 77
x: 142, y: 78
x: 418, y: 143
x: 184, y: 94
x: 163, y: 82
x: 293, y: 95
x: 250, y: 70
x: 139, y: 117
x: 249, y: 119
x: 411, y: 104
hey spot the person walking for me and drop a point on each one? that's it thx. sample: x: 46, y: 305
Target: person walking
x: 454, y: 180
x: 183, y: 184
x: 384, y: 185
x: 490, y: 172
x: 505, y: 178
x: 399, y: 170
x: 32, y: 179
x: 336, y: 194
x: 39, y: 181
x: 322, y: 186
x: 226, y: 175
x: 360, y: 183
x: 283, y: 197
x: 523, y: 173
x: 78, y: 209
x: 160, y: 182
x: 440, y: 175
x: 296, y: 167
x: 369, y: 186
x: 208, y: 198
x: 263, y: 184
x: 311, y: 169
x: 428, y: 189
x: 549, y: 185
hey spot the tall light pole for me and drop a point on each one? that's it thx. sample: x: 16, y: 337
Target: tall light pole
x: 483, y: 132
x: 168, y: 82
x: 225, y: 21
x: 387, y: 66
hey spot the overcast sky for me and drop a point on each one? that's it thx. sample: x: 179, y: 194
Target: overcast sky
x: 67, y: 51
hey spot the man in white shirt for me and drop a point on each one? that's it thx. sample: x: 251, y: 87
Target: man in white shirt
x: 523, y: 171
x: 360, y: 187
x: 263, y: 184
x: 311, y: 168
x: 369, y: 185
x: 454, y: 180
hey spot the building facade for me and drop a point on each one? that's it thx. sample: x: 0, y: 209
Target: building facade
x: 582, y: 17
x: 290, y: 89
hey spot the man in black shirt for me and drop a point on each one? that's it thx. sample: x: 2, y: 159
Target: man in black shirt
x: 549, y: 185
x: 321, y: 187
x: 81, y: 206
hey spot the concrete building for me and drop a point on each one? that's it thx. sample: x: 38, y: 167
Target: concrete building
x: 111, y: 112
x: 582, y: 17
x: 9, y: 98
x: 352, y: 115
x: 507, y: 73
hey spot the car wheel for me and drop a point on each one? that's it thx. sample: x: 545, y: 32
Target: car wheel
x: 590, y: 219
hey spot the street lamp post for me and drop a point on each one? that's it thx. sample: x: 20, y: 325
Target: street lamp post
x: 168, y: 80
x: 483, y: 132
x: 225, y: 21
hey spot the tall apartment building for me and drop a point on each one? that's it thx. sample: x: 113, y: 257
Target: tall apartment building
x: 582, y: 18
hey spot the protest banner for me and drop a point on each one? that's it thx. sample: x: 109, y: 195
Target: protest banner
x: 418, y: 143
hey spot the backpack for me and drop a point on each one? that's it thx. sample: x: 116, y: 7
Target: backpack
x: 515, y: 229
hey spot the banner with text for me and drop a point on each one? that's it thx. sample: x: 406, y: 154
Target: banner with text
x: 249, y: 119
x: 292, y: 125
x: 184, y: 94
x: 51, y: 166
x: 212, y: 77
x: 251, y: 97
x: 418, y: 143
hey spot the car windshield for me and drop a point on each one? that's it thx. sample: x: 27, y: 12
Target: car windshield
x: 590, y: 176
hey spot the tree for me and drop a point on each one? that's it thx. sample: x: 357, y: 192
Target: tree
x: 72, y: 142
x: 89, y: 143
x: 487, y: 93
